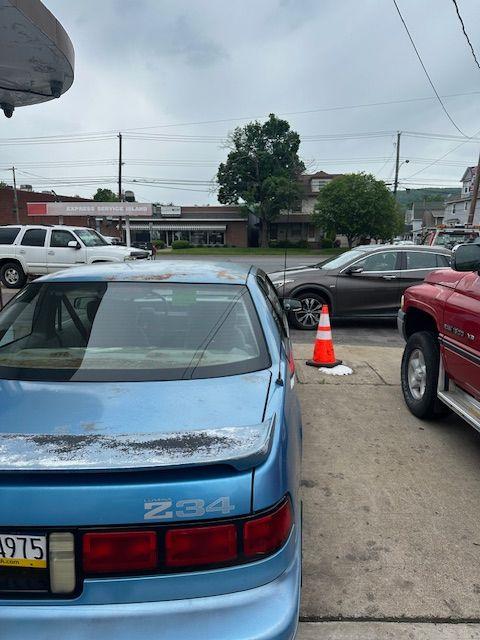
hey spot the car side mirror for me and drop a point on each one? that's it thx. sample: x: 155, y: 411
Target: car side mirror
x: 354, y: 270
x: 73, y: 244
x: 289, y: 304
x: 466, y: 257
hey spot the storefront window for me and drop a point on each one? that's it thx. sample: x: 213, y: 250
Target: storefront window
x: 198, y: 237
x: 216, y: 237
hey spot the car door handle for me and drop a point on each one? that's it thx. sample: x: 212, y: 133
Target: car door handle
x: 389, y: 277
x: 22, y: 251
x: 51, y: 253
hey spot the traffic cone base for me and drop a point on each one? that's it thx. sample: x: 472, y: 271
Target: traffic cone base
x: 326, y: 365
x: 323, y: 352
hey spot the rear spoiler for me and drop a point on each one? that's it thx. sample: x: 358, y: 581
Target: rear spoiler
x: 239, y: 447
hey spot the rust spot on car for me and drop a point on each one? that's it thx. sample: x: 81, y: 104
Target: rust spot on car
x: 226, y: 275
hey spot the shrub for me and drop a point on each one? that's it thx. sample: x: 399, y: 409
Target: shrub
x: 181, y: 244
x: 159, y: 244
x: 326, y: 243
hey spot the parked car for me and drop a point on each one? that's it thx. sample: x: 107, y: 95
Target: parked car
x: 149, y: 420
x: 112, y: 240
x: 367, y: 281
x: 33, y: 250
x: 440, y: 320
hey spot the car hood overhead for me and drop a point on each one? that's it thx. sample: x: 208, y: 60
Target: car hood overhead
x: 113, y: 426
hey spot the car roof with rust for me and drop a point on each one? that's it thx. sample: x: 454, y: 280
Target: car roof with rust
x: 155, y: 271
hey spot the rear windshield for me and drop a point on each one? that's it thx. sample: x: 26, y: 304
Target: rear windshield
x: 8, y: 234
x: 122, y: 331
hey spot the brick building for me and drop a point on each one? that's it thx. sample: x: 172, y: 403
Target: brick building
x: 7, y: 207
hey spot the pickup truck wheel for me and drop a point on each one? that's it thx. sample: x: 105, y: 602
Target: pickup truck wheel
x: 419, y: 375
x: 12, y: 276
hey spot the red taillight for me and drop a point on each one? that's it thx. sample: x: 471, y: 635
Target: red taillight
x: 117, y: 552
x: 265, y: 535
x: 291, y: 364
x: 195, y: 546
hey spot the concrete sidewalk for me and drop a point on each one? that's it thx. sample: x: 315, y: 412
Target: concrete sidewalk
x: 391, y: 507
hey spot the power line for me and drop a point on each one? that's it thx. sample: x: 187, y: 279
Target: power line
x: 426, y: 72
x: 465, y: 33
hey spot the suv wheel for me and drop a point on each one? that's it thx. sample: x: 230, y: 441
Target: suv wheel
x: 12, y: 276
x: 419, y: 375
x: 308, y: 316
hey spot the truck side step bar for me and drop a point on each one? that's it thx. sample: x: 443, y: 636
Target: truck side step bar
x: 458, y: 400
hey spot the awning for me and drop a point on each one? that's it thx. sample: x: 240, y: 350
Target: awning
x: 145, y: 226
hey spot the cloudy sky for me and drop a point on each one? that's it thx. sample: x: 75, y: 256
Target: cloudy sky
x: 175, y: 76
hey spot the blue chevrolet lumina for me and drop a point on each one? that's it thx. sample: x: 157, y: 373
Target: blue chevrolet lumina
x: 150, y: 445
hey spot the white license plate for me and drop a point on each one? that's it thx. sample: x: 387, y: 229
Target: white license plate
x: 23, y: 551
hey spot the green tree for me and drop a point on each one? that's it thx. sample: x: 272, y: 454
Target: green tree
x: 105, y: 195
x: 262, y: 170
x: 357, y: 205
x: 2, y: 184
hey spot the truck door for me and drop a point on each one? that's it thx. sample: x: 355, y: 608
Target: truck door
x: 33, y: 252
x: 461, y: 334
x: 60, y: 255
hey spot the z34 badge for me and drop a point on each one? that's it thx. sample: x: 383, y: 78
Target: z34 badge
x: 167, y: 509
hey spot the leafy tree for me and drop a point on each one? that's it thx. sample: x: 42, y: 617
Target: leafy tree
x: 357, y: 205
x: 105, y: 195
x: 2, y: 184
x: 262, y: 170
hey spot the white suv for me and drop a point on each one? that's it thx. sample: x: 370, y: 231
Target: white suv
x: 33, y: 250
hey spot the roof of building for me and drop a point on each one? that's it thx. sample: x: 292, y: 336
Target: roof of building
x: 182, y: 271
x: 468, y: 173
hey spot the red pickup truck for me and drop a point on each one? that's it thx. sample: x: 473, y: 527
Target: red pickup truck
x: 440, y: 320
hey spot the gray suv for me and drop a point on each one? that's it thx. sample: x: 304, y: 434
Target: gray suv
x: 365, y: 282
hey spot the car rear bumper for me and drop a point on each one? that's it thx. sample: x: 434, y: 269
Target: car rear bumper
x: 269, y: 612
x: 401, y: 323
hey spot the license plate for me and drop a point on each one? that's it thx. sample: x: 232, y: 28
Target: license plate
x: 23, y: 551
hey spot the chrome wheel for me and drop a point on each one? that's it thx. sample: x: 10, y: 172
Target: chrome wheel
x: 11, y: 276
x: 309, y: 314
x: 417, y: 374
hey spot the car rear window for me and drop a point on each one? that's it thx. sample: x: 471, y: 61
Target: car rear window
x: 130, y: 331
x: 421, y: 260
x: 8, y: 234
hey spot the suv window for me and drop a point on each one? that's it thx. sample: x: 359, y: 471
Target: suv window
x: 61, y: 238
x: 442, y: 260
x: 421, y: 260
x: 383, y: 261
x: 8, y: 234
x: 34, y: 238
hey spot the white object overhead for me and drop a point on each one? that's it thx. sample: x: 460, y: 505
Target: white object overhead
x: 36, y: 55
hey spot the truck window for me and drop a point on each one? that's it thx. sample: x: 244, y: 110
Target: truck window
x: 34, y: 238
x: 8, y: 234
x: 61, y: 238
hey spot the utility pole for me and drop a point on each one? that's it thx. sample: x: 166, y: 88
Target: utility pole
x: 473, y: 202
x: 120, y: 163
x: 15, y: 197
x: 397, y: 166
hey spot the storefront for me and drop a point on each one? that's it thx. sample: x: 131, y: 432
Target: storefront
x: 198, y: 235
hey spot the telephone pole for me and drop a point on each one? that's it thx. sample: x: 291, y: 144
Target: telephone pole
x: 120, y: 163
x: 15, y: 197
x: 397, y: 166
x: 473, y: 202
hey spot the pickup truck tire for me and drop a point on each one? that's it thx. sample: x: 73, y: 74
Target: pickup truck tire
x: 419, y: 375
x: 12, y: 275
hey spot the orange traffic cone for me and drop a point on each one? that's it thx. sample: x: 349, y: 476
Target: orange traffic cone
x: 323, y: 352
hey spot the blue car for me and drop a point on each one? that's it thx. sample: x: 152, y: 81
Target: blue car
x: 150, y: 448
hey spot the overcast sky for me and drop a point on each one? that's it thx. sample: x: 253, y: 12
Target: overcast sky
x: 173, y: 64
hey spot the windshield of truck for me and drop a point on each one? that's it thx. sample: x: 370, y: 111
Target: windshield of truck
x: 90, y: 238
x: 451, y: 239
x: 121, y: 331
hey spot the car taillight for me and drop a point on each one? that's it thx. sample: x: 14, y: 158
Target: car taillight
x: 291, y: 364
x: 119, y: 552
x: 193, y: 546
x: 264, y: 535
